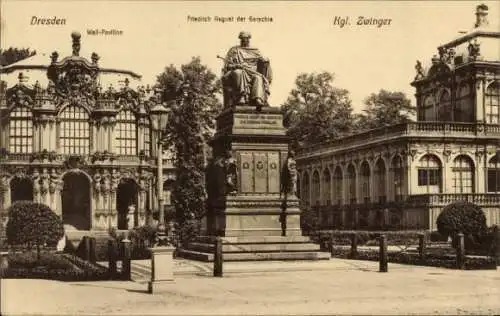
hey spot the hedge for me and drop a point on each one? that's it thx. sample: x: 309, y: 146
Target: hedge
x: 53, y: 266
x: 369, y: 238
x: 430, y: 259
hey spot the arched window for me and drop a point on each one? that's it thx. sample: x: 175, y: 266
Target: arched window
x: 494, y: 174
x: 126, y: 133
x: 74, y: 131
x: 326, y: 187
x: 351, y: 184
x: 444, y: 107
x: 337, y: 178
x: 365, y: 181
x: 428, y: 109
x: 398, y: 177
x: 492, y: 103
x: 305, y: 188
x: 463, y: 175
x: 21, y: 130
x: 463, y: 104
x: 429, y: 173
x: 316, y: 187
x: 21, y: 189
x: 380, y: 181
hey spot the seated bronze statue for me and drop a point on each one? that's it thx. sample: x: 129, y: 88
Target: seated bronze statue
x: 246, y: 75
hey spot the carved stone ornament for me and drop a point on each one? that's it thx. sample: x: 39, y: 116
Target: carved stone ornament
x: 75, y: 162
x: 74, y: 77
x: 447, y: 153
x: 420, y: 71
x: 474, y: 50
x: 21, y: 94
x: 231, y: 174
x: 413, y: 153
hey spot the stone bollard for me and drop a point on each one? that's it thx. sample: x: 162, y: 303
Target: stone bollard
x: 218, y: 257
x: 331, y: 244
x: 86, y: 248
x: 4, y: 263
x: 383, y: 254
x: 112, y: 258
x: 126, y: 260
x: 92, y: 250
x: 496, y: 244
x: 354, y: 246
x: 421, y: 247
x: 162, y: 268
x: 460, y: 251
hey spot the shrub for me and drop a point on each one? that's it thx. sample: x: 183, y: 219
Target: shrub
x: 463, y: 217
x: 33, y: 224
x: 187, y: 231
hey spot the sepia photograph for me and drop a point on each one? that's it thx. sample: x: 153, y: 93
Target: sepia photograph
x: 249, y: 157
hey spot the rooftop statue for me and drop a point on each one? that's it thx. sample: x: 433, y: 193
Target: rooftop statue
x: 246, y: 75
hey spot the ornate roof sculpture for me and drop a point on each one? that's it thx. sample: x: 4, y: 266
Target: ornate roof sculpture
x: 479, y: 44
x: 75, y: 80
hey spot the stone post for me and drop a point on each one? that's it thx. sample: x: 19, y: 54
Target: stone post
x: 460, y: 251
x: 421, y: 247
x: 4, y: 263
x: 162, y: 268
x: 331, y: 244
x: 497, y: 245
x: 383, y: 254
x: 112, y: 259
x: 86, y: 248
x: 218, y: 257
x: 126, y: 260
x: 354, y: 246
x: 92, y: 250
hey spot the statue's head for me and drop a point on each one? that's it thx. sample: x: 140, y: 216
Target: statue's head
x: 244, y: 38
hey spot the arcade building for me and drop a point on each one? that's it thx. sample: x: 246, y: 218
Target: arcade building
x: 402, y: 176
x: 77, y: 135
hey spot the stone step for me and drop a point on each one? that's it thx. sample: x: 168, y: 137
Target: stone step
x: 257, y: 239
x: 255, y: 256
x: 268, y: 247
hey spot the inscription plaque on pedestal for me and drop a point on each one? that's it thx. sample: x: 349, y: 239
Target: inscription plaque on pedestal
x: 260, y: 163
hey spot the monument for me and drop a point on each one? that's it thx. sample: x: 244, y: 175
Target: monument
x: 251, y: 179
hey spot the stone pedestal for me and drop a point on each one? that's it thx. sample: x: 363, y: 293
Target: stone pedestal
x: 162, y: 268
x: 258, y: 143
x: 256, y: 220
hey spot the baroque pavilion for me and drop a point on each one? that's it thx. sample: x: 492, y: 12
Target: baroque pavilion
x: 402, y: 176
x: 76, y: 135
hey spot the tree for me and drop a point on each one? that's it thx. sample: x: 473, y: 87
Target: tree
x: 12, y: 55
x: 316, y: 111
x: 192, y: 95
x: 384, y: 109
x: 33, y: 224
x: 463, y: 217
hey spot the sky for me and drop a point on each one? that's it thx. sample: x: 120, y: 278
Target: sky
x: 302, y: 36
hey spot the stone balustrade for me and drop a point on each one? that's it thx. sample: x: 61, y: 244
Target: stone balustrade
x: 484, y: 199
x: 420, y: 129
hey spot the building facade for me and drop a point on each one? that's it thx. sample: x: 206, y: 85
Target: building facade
x: 403, y: 175
x: 71, y: 140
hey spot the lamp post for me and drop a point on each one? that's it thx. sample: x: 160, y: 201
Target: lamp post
x: 159, y: 120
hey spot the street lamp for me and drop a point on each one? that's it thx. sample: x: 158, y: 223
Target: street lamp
x: 159, y: 119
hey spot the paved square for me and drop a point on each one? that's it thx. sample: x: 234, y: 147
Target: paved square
x: 299, y: 288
